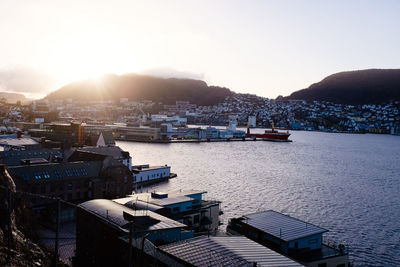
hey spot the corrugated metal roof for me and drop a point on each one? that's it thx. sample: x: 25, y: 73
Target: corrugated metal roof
x: 282, y: 226
x: 113, y: 212
x: 226, y: 251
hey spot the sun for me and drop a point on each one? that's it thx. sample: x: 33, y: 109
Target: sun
x: 89, y: 55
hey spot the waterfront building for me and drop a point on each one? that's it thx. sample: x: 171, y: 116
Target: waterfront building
x: 187, y: 207
x: 137, y: 133
x: 146, y: 174
x: 252, y: 121
x: 73, y: 181
x: 294, y: 238
x: 222, y: 251
x: 103, y: 228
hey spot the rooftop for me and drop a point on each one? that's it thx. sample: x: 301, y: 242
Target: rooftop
x: 173, y: 197
x: 23, y: 141
x: 56, y: 171
x: 282, y: 226
x: 225, y: 251
x: 113, y: 212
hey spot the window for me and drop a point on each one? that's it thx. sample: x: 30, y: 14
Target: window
x: 57, y: 174
x: 24, y: 176
x: 70, y: 186
x: 75, y: 171
x: 68, y: 172
x: 83, y: 172
x: 312, y: 241
x: 46, y: 175
x: 176, y: 209
x: 37, y: 175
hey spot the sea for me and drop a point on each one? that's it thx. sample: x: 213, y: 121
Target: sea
x: 346, y: 183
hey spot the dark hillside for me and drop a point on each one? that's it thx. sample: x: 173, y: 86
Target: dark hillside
x: 140, y: 87
x: 354, y: 87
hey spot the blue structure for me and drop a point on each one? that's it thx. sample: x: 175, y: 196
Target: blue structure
x: 298, y: 239
x: 187, y: 207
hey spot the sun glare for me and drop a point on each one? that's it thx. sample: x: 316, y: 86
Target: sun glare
x: 89, y: 55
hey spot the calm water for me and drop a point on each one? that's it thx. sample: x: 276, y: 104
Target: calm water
x: 349, y: 184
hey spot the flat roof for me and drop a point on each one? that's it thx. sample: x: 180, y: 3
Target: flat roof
x: 282, y: 226
x: 113, y: 212
x: 143, y: 169
x: 23, y: 141
x: 174, y: 197
x: 226, y: 251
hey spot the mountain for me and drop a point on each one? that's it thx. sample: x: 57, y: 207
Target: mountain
x: 354, y: 87
x: 14, y: 97
x: 137, y: 87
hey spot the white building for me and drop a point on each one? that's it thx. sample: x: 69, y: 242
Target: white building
x: 144, y: 174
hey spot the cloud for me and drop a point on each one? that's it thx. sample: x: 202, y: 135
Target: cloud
x: 24, y: 80
x: 166, y: 72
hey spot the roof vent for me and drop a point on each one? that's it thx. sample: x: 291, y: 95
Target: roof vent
x: 159, y: 195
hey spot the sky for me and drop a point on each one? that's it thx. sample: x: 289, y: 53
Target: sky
x: 268, y: 48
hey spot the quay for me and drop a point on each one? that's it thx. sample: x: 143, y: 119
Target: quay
x: 202, y: 140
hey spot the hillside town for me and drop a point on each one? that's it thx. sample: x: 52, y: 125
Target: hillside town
x: 324, y: 116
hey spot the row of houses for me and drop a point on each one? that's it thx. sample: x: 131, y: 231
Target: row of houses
x: 155, y: 231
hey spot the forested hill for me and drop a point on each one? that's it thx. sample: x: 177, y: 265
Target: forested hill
x: 141, y: 87
x: 354, y: 87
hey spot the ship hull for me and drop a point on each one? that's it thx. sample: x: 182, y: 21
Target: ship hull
x: 271, y: 136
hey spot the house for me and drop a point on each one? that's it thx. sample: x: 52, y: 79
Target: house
x: 103, y: 227
x: 291, y: 237
x: 86, y: 152
x: 73, y: 181
x: 223, y: 251
x: 187, y: 207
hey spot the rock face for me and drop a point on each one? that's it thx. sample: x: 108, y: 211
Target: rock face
x: 24, y: 252
x: 354, y: 87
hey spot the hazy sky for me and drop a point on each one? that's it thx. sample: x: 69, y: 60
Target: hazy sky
x: 268, y: 48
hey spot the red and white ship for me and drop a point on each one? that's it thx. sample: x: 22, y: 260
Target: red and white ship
x: 269, y: 135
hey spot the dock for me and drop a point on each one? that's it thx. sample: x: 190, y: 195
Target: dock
x: 204, y: 140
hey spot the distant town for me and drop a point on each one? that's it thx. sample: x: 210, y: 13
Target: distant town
x: 323, y: 116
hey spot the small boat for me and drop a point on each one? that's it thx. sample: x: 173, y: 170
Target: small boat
x: 269, y: 135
